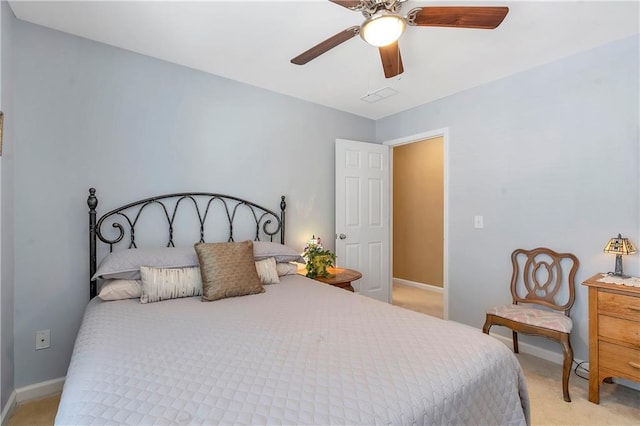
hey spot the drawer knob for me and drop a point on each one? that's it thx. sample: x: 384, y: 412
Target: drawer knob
x: 634, y: 364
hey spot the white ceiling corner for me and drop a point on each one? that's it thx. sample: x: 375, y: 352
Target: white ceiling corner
x: 252, y: 42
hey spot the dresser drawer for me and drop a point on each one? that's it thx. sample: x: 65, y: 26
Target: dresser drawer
x: 619, y: 304
x: 621, y: 359
x: 614, y: 333
x: 622, y: 330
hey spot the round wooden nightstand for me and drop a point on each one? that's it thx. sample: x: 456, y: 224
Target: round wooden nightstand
x: 340, y: 277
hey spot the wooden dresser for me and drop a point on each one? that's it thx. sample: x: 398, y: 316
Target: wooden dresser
x: 614, y: 333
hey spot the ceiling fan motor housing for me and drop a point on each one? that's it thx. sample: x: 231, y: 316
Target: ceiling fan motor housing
x: 370, y: 7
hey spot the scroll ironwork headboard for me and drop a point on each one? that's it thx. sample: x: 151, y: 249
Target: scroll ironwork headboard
x: 268, y: 224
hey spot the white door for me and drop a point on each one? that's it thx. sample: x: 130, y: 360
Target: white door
x: 362, y: 215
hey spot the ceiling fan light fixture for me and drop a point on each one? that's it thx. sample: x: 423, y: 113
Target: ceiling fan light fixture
x: 383, y: 28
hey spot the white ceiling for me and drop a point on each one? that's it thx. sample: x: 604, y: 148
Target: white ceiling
x: 252, y: 42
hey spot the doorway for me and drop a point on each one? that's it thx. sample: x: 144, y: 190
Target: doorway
x: 419, y: 205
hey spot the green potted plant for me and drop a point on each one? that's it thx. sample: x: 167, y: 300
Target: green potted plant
x: 318, y: 259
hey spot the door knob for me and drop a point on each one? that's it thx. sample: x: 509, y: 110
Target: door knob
x: 342, y: 236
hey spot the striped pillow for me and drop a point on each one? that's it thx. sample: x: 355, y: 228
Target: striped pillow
x: 169, y: 283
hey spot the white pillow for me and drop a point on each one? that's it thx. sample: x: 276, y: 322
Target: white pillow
x: 282, y: 253
x: 125, y: 264
x: 286, y: 268
x: 120, y: 289
x: 169, y: 283
x: 267, y: 271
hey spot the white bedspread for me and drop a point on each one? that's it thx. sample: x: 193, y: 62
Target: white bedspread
x: 301, y: 353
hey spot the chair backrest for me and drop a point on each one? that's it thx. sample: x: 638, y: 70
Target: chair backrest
x: 540, y: 276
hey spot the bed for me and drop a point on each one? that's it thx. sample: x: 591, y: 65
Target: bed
x: 298, y: 353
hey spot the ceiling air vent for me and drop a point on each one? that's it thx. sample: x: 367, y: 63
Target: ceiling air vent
x: 378, y: 95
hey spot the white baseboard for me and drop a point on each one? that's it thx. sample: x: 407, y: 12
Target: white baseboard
x: 530, y: 349
x: 39, y: 390
x: 422, y: 286
x: 627, y: 383
x: 7, y: 410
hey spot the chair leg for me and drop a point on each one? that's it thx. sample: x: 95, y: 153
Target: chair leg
x: 566, y: 365
x: 515, y: 342
x: 487, y: 325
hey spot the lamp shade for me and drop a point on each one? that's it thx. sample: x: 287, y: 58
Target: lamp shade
x: 313, y: 243
x: 382, y: 29
x: 619, y: 245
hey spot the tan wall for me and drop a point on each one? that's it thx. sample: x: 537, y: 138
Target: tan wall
x: 418, y: 216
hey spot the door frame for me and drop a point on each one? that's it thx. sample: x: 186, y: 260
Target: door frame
x: 444, y: 133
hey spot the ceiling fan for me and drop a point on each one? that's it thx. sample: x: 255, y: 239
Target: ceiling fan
x: 383, y: 26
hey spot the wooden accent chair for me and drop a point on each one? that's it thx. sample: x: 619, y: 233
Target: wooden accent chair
x: 538, y: 279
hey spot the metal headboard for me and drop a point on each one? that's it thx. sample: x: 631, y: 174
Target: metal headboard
x: 266, y: 221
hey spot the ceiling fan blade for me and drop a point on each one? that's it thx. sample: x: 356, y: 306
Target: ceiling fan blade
x: 349, y: 4
x: 391, y: 60
x: 326, y: 45
x: 453, y: 16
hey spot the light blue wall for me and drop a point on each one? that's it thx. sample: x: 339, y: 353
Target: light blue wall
x: 6, y: 206
x: 550, y: 158
x: 92, y: 115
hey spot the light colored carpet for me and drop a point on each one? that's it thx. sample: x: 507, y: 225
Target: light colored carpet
x: 40, y: 412
x: 619, y: 405
x: 417, y: 299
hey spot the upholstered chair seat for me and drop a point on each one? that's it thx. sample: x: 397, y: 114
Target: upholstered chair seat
x: 533, y: 316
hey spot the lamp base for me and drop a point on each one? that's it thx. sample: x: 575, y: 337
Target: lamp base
x: 613, y: 274
x: 618, y: 271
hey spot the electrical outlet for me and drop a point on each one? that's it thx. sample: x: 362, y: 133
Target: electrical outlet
x: 43, y: 339
x: 478, y: 222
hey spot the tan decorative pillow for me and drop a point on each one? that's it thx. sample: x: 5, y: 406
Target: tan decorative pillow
x: 228, y: 270
x: 267, y: 271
